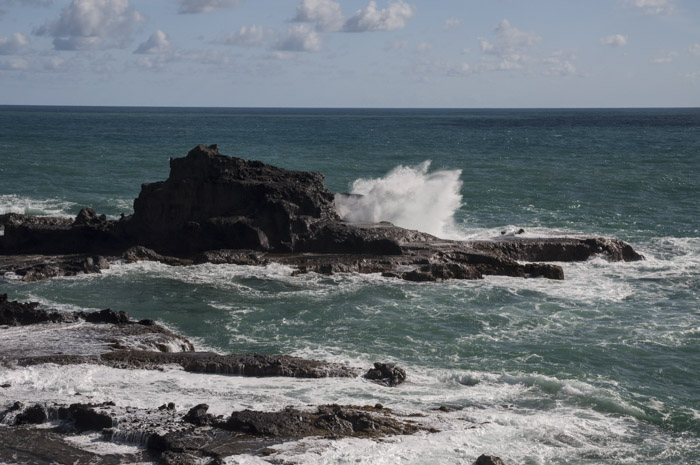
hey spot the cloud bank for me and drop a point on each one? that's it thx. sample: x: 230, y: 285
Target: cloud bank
x: 91, y: 24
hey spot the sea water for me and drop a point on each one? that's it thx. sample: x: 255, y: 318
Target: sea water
x: 603, y: 367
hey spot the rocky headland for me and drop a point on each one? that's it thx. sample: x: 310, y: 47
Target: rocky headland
x: 220, y: 209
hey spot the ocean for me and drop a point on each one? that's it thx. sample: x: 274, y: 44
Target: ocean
x: 601, y: 368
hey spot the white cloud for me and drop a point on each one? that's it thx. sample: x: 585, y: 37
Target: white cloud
x: 85, y: 24
x: 205, y: 6
x: 157, y: 43
x: 159, y: 61
x: 13, y: 44
x: 509, y: 49
x: 451, y: 23
x: 248, y: 36
x: 325, y: 13
x: 461, y: 69
x: 655, y: 7
x: 666, y: 57
x: 15, y: 64
x: 615, y: 40
x: 300, y: 38
x: 509, y: 40
x: 565, y: 68
x: 33, y: 64
x: 370, y: 18
x: 694, y: 49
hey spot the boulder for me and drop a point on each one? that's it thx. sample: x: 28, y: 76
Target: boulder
x: 489, y: 460
x: 387, y: 374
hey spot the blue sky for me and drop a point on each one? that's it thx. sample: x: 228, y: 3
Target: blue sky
x: 351, y: 53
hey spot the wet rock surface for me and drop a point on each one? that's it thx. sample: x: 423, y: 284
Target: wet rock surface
x: 112, y: 338
x: 219, y: 209
x: 165, y: 434
x: 169, y: 436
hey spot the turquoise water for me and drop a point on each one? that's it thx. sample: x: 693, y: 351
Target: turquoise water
x: 600, y: 368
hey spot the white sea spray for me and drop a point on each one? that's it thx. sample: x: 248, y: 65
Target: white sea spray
x: 407, y: 196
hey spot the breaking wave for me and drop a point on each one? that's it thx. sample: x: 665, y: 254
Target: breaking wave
x: 407, y: 196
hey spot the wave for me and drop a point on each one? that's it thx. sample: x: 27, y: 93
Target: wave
x: 407, y: 196
x: 11, y: 203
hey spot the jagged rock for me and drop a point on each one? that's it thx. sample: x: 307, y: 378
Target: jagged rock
x: 211, y: 201
x: 85, y: 417
x: 13, y: 313
x: 328, y: 420
x: 88, y: 233
x: 31, y: 268
x: 107, y: 316
x: 219, y: 209
x: 234, y: 364
x: 34, y: 415
x: 559, y: 249
x: 198, y: 415
x: 140, y: 253
x: 231, y: 256
x: 489, y: 460
x: 386, y: 374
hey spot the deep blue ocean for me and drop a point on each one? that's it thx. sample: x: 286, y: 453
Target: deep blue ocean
x: 602, y: 368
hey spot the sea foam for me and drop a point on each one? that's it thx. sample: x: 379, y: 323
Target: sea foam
x: 11, y: 203
x: 407, y: 196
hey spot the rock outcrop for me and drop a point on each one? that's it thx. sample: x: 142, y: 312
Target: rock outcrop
x: 196, y: 437
x: 212, y: 201
x: 220, y: 209
x: 112, y: 338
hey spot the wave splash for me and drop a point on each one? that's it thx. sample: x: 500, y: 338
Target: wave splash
x: 407, y: 196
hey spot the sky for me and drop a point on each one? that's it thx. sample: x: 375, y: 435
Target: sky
x: 351, y: 53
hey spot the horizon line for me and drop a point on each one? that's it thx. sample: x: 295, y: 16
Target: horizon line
x: 262, y: 107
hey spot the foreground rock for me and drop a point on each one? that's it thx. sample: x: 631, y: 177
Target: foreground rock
x: 220, y: 209
x: 173, y: 437
x: 34, y: 335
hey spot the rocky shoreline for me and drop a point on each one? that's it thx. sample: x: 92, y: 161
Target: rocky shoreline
x: 219, y: 209
x: 40, y: 433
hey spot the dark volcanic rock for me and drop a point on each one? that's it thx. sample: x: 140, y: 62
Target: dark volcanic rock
x: 88, y: 233
x: 386, y: 374
x: 219, y: 209
x: 107, y: 316
x: 86, y: 417
x: 13, y: 313
x: 34, y: 415
x: 198, y: 437
x: 559, y: 249
x: 234, y: 364
x: 211, y: 201
x: 198, y: 415
x: 489, y: 460
x: 327, y: 420
x: 40, y: 267
x: 140, y: 253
